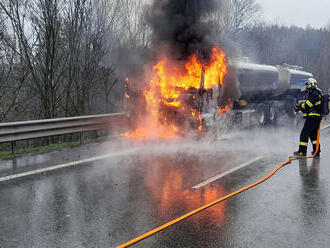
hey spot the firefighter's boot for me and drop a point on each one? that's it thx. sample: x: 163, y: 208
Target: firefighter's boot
x: 302, y: 149
x: 299, y: 154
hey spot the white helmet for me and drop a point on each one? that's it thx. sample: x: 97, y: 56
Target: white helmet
x: 311, y: 83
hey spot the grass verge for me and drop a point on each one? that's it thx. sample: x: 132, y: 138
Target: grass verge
x: 34, y: 150
x: 48, y: 148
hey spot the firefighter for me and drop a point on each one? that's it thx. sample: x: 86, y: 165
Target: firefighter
x: 312, y: 110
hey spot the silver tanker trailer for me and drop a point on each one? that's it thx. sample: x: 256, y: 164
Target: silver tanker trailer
x: 266, y: 93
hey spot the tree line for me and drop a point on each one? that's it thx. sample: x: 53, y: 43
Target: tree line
x: 56, y: 56
x: 309, y: 48
x: 68, y: 57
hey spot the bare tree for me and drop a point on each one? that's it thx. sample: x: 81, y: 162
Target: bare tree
x: 136, y: 32
x: 13, y: 71
x: 39, y: 46
x: 244, y: 14
x: 91, y: 28
x: 47, y: 56
x: 234, y: 16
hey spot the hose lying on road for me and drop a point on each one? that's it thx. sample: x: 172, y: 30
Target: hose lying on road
x: 158, y: 229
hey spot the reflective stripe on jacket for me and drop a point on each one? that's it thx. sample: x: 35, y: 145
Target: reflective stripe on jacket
x: 312, y: 106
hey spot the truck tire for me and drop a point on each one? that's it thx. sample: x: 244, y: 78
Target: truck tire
x: 262, y: 114
x: 273, y: 114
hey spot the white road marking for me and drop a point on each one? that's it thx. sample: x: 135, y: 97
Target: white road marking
x: 60, y: 166
x: 202, y: 184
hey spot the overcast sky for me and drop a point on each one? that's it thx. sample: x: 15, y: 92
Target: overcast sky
x: 298, y: 12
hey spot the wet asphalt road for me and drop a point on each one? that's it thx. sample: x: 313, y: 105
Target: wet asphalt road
x: 109, y: 202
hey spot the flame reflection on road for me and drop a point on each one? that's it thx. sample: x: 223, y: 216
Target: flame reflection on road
x: 172, y: 192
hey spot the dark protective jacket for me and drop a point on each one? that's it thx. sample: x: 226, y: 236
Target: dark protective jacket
x: 312, y: 106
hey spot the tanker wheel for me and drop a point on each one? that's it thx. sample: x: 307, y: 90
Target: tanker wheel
x: 272, y: 114
x: 262, y: 114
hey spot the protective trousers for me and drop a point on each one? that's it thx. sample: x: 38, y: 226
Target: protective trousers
x: 310, y: 130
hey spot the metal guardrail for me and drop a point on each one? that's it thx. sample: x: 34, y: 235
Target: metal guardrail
x: 16, y: 131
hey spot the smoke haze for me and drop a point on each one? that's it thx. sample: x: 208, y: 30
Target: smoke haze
x: 179, y: 24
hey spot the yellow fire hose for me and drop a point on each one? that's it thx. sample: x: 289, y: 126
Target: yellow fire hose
x: 158, y: 229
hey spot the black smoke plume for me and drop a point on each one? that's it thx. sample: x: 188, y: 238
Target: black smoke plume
x: 181, y: 25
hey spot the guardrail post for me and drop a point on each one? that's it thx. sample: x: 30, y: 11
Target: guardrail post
x: 81, y: 138
x: 13, y: 146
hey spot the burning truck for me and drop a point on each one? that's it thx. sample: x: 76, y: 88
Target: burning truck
x: 185, y: 85
x: 171, y: 102
x: 193, y: 97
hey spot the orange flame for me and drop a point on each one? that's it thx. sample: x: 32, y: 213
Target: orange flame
x: 226, y: 109
x: 140, y: 134
x: 169, y: 78
x: 167, y: 87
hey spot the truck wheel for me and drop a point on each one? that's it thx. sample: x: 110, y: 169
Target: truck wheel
x: 262, y: 114
x: 272, y: 114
